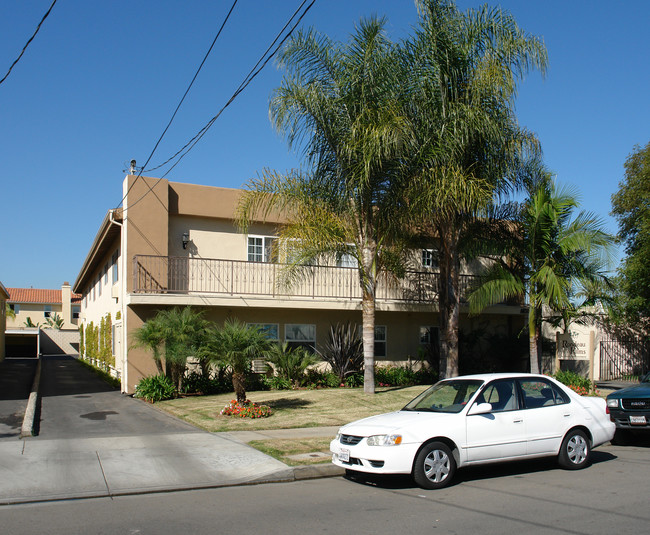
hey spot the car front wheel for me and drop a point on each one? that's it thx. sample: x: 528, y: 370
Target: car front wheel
x: 575, y: 450
x: 434, y: 466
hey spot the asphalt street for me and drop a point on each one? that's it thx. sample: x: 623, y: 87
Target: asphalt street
x: 532, y: 497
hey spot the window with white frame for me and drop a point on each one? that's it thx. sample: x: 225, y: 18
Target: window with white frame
x: 300, y: 335
x: 429, y: 335
x: 76, y: 312
x: 114, y: 263
x: 47, y: 310
x: 346, y: 260
x: 105, y: 274
x: 99, y: 285
x: 430, y: 258
x: 262, y: 249
x: 15, y: 307
x: 380, y: 340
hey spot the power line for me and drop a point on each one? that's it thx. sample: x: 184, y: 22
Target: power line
x: 183, y: 98
x: 247, y: 80
x: 28, y: 42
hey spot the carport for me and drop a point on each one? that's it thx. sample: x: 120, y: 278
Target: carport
x: 22, y: 343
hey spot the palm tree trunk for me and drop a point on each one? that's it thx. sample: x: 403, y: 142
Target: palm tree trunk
x: 449, y: 304
x: 239, y: 386
x: 533, y: 341
x: 368, y: 332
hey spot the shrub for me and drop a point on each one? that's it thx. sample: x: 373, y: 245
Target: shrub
x: 404, y: 376
x: 318, y: 379
x: 247, y: 409
x: 343, y: 350
x: 197, y: 383
x: 155, y: 388
x: 277, y: 383
x: 575, y: 381
x: 354, y: 380
x: 290, y: 363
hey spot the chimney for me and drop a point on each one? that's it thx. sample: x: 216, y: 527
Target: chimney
x: 66, y: 305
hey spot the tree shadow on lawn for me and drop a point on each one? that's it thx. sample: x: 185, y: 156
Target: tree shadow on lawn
x: 288, y: 403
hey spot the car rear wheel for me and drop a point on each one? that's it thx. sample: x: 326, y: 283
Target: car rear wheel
x: 434, y: 466
x: 575, y: 450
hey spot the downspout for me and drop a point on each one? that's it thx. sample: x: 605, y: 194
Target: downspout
x: 123, y: 349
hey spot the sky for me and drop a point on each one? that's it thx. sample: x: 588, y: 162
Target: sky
x: 101, y: 80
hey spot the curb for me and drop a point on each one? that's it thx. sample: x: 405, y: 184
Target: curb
x: 317, y: 471
x: 30, y: 412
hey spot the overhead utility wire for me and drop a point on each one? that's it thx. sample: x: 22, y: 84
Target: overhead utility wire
x: 249, y: 78
x: 182, y: 99
x: 28, y: 42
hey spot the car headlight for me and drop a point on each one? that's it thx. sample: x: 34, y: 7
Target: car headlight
x: 384, y: 440
x: 613, y: 403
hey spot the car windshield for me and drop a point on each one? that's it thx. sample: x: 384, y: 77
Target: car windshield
x: 646, y: 378
x: 445, y: 396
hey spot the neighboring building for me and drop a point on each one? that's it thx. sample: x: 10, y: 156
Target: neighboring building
x: 38, y: 305
x: 4, y: 296
x: 176, y: 244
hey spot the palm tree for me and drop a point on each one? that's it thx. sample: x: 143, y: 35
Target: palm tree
x: 338, y: 102
x: 150, y: 336
x: 290, y: 363
x: 179, y: 333
x: 236, y: 345
x: 465, y: 137
x: 551, y: 254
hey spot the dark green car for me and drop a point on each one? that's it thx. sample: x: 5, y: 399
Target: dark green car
x: 629, y: 408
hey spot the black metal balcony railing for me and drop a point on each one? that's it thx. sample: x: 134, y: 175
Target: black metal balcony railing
x: 180, y: 275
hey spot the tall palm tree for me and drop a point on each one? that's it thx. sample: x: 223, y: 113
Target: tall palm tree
x: 551, y: 254
x: 236, y: 345
x: 465, y: 137
x: 338, y: 102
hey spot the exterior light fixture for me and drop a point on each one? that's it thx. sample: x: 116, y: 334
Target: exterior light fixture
x: 186, y: 239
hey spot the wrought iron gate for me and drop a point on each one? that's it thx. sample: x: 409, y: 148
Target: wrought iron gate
x: 625, y: 359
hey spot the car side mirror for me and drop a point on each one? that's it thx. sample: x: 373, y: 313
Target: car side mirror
x: 480, y: 408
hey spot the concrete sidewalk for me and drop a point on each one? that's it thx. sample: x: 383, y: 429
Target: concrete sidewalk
x: 96, y: 442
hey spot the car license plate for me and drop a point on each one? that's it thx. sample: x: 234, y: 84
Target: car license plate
x: 637, y: 420
x: 344, y: 455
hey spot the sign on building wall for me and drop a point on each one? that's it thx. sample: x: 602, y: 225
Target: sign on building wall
x: 573, y: 346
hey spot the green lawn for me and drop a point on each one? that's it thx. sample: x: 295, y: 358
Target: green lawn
x: 291, y: 408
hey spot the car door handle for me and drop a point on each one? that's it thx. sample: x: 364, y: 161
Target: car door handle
x: 566, y: 415
x: 518, y: 421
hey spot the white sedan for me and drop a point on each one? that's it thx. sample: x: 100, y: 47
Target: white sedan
x: 476, y: 419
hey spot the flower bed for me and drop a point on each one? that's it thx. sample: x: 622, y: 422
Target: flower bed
x: 248, y: 409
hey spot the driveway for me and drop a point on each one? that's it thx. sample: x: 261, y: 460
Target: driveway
x: 95, y: 441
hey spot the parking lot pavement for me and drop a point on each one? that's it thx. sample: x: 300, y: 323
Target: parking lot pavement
x: 16, y: 376
x: 95, y: 441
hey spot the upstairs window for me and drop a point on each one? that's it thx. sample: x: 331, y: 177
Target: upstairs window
x: 47, y: 310
x: 262, y: 249
x: 430, y: 258
x: 114, y: 259
x: 76, y: 311
x: 15, y: 307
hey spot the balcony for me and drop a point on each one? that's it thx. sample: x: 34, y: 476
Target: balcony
x: 200, y: 276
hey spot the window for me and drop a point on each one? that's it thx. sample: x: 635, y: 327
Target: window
x: 430, y: 258
x: 76, y: 311
x: 501, y: 394
x: 99, y: 285
x: 15, y: 307
x: 346, y: 260
x: 47, y: 310
x: 270, y: 329
x: 429, y: 335
x: 380, y: 340
x: 538, y: 393
x: 262, y: 249
x: 114, y: 259
x: 105, y: 274
x: 300, y: 335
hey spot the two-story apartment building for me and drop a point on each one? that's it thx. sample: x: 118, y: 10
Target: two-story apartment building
x: 39, y: 304
x: 176, y: 244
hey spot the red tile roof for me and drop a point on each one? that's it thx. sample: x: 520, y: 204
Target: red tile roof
x: 35, y: 295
